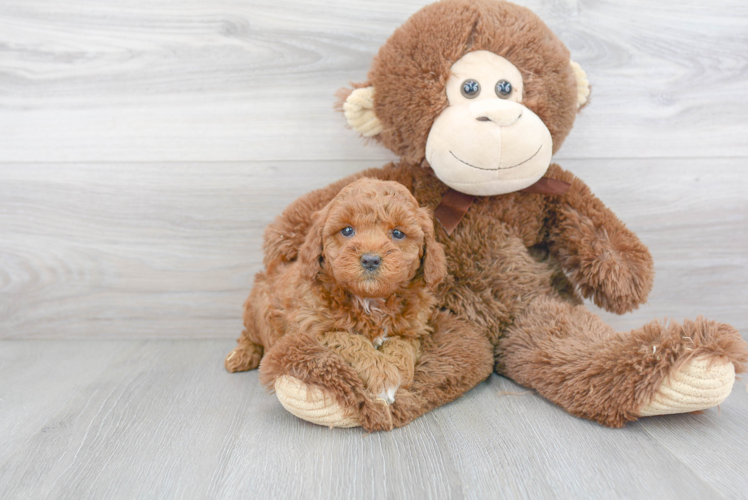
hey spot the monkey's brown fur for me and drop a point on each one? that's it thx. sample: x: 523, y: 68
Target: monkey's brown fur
x: 375, y: 320
x: 518, y: 263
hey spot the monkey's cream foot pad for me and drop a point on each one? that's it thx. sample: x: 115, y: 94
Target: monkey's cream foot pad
x: 310, y: 403
x: 694, y: 386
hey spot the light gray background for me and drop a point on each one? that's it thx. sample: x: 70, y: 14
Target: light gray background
x: 144, y: 146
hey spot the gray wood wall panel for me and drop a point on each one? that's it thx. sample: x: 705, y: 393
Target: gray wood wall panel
x: 241, y: 81
x: 170, y: 249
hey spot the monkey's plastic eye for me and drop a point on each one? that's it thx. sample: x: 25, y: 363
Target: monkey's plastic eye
x: 397, y: 234
x: 503, y: 89
x: 470, y: 89
x: 347, y: 231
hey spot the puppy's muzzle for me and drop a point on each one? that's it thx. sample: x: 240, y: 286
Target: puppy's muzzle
x: 370, y: 261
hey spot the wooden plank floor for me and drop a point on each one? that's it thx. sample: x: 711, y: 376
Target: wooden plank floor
x: 162, y: 419
x: 144, y: 146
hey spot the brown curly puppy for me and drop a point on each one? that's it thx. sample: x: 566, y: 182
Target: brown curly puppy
x: 362, y: 286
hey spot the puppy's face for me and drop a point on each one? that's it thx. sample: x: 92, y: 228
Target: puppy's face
x: 374, y: 238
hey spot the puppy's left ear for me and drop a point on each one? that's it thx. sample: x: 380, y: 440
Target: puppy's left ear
x: 434, y: 261
x: 310, y: 253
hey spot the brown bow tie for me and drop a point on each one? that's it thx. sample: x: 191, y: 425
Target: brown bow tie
x: 455, y: 205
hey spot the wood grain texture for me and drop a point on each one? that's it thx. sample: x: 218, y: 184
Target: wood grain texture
x: 162, y: 419
x: 143, y: 148
x: 169, y: 250
x: 231, y: 80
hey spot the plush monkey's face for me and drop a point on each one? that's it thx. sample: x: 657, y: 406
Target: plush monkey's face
x: 480, y: 89
x: 486, y: 141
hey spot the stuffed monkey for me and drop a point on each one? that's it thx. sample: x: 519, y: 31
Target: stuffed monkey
x: 475, y: 96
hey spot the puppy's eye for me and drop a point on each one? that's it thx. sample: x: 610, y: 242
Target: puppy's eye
x: 503, y: 89
x: 470, y: 89
x: 397, y: 234
x: 347, y: 231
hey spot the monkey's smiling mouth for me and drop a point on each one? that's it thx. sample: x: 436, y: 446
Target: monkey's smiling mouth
x: 497, y: 168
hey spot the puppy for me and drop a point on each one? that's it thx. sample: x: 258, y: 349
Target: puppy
x: 362, y: 284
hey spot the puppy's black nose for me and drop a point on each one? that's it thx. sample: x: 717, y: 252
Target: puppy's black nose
x: 370, y: 261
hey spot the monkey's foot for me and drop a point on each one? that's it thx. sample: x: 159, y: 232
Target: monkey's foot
x: 694, y: 386
x: 310, y: 403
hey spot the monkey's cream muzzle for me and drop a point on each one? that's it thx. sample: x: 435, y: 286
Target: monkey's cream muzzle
x: 486, y: 142
x: 489, y: 147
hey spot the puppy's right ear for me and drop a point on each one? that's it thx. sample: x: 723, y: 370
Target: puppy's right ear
x: 310, y: 253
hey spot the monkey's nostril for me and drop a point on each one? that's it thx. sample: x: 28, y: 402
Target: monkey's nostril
x: 370, y: 261
x: 483, y: 119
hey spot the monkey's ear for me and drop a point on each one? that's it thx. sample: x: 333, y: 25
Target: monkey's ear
x: 583, y: 85
x: 358, y: 109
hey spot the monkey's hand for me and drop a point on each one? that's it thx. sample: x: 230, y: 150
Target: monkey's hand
x: 605, y: 260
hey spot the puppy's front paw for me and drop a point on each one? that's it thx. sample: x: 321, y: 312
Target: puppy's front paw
x: 388, y: 394
x: 386, y: 385
x: 377, y: 342
x: 244, y: 357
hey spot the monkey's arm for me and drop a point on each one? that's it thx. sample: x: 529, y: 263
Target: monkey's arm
x: 605, y: 260
x: 284, y: 236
